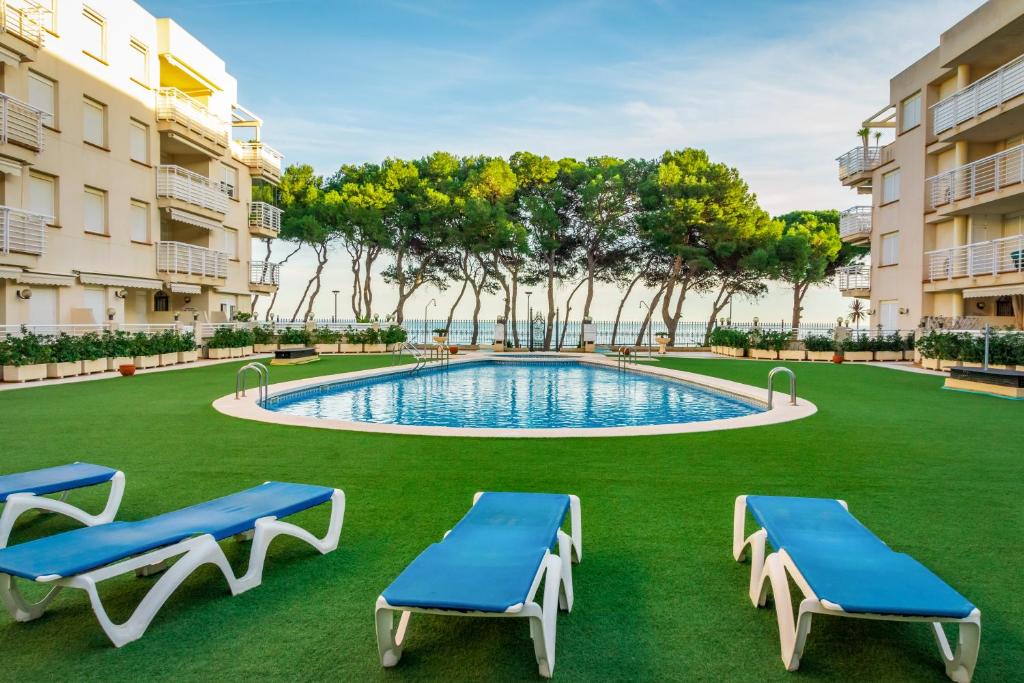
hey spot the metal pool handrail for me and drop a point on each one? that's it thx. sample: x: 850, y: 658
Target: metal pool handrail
x: 792, y: 385
x: 262, y: 380
x: 623, y: 356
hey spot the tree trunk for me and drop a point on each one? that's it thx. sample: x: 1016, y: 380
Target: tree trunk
x: 371, y: 256
x: 722, y: 300
x: 568, y: 307
x: 549, y: 328
x: 321, y: 262
x: 477, y: 289
x: 673, y: 326
x: 799, y: 290
x: 273, y: 299
x: 622, y: 303
x: 590, y: 286
x: 458, y: 299
x: 647, y: 318
x: 512, y: 306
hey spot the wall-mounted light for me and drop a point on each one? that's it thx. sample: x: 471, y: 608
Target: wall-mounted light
x: 177, y: 317
x: 111, y: 313
x: 25, y: 294
x: 188, y: 299
x: 904, y: 311
x: 121, y: 293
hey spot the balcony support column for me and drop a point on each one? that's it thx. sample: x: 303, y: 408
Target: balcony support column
x: 963, y: 76
x: 960, y: 233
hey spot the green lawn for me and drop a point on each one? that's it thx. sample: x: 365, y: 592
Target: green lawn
x: 937, y: 474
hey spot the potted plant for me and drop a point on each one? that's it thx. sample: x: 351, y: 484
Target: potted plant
x: 393, y: 336
x: 729, y: 342
x: 117, y: 346
x: 219, y: 345
x: 819, y: 347
x: 793, y: 349
x: 858, y: 347
x: 888, y: 348
x: 24, y: 357
x: 92, y: 353
x: 166, y: 344
x: 663, y: 339
x: 325, y: 340
x: 352, y: 341
x: 187, y: 351
x: 64, y: 360
x: 767, y: 344
x: 263, y: 340
x: 144, y: 351
x: 294, y: 338
x: 241, y: 343
x: 441, y: 335
x: 372, y: 342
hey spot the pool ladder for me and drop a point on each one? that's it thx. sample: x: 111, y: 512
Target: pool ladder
x: 625, y: 355
x: 421, y: 356
x: 792, y: 385
x: 262, y: 380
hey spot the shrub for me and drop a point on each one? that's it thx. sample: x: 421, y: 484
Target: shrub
x: 441, y: 331
x: 325, y: 335
x: 724, y: 336
x: 858, y: 342
x: 295, y: 335
x: 243, y: 337
x: 371, y: 336
x: 91, y: 347
x: 142, y: 345
x: 942, y: 345
x: 394, y: 334
x: 223, y: 338
x: 819, y: 342
x: 768, y: 340
x: 262, y: 335
x: 186, y: 342
x: 27, y: 349
x: 64, y: 349
x: 353, y: 337
x: 117, y: 344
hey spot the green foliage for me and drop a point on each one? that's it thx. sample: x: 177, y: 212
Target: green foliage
x: 262, y: 334
x: 26, y: 349
x: 143, y: 345
x: 394, y: 334
x: 724, y: 336
x: 64, y: 349
x: 295, y: 335
x: 858, y: 342
x: 354, y: 337
x: 441, y: 331
x: 91, y: 347
x: 325, y: 335
x: 819, y: 342
x: 769, y: 340
x: 118, y: 344
x: 371, y: 336
x: 1004, y: 349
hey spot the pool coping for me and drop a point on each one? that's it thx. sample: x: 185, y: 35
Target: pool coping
x: 248, y: 407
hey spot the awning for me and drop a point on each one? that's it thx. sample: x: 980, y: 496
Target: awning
x: 182, y: 288
x: 10, y: 166
x: 190, y: 218
x: 233, y: 291
x: 119, y: 281
x: 9, y: 273
x: 51, y: 279
x: 1001, y: 290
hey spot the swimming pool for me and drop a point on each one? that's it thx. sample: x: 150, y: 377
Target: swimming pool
x: 515, y: 394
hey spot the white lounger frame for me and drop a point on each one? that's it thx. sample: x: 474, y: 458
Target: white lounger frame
x: 194, y: 552
x: 19, y: 503
x: 778, y: 567
x: 558, y: 593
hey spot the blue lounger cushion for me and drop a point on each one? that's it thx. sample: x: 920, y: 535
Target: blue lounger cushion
x: 846, y: 564
x: 81, y: 550
x: 487, y: 563
x: 54, y: 479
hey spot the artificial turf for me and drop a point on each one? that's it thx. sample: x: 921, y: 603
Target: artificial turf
x: 937, y: 474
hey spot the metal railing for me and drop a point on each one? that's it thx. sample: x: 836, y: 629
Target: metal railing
x: 262, y: 381
x: 22, y: 231
x: 264, y: 273
x: 792, y: 385
x: 175, y: 106
x: 175, y: 182
x: 992, y: 173
x: 855, y: 221
x: 188, y: 259
x: 259, y: 156
x: 264, y: 216
x: 24, y: 19
x: 988, y: 92
x: 624, y: 355
x: 859, y: 159
x: 418, y: 355
x: 857, y: 276
x: 21, y: 123
x: 1004, y: 255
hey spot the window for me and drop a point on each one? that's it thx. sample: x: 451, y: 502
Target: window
x: 42, y: 94
x: 161, y: 302
x: 910, y: 112
x: 140, y: 221
x: 891, y: 186
x: 94, y: 211
x: 231, y: 243
x: 94, y: 34
x: 138, y: 67
x: 888, y: 316
x: 42, y: 195
x: 138, y: 141
x: 890, y: 249
x: 229, y: 180
x: 94, y: 122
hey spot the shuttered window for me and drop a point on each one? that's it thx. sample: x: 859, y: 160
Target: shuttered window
x: 94, y: 210
x: 890, y: 249
x: 94, y: 122
x: 140, y: 221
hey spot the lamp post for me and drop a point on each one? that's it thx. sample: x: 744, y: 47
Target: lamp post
x: 643, y: 304
x: 335, y: 292
x: 529, y: 320
x: 430, y: 303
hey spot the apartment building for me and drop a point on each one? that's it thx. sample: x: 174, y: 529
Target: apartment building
x: 128, y: 171
x: 945, y: 222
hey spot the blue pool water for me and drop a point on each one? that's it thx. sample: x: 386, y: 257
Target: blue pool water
x: 511, y: 395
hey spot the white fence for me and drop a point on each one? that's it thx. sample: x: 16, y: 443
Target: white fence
x: 264, y: 216
x: 188, y: 259
x: 992, y: 173
x: 21, y: 123
x: 24, y: 18
x: 174, y: 105
x: 859, y: 159
x: 77, y: 330
x: 1004, y: 255
x: 261, y: 157
x: 22, y: 231
x: 855, y: 221
x: 854, y: 277
x: 175, y: 182
x: 264, y: 273
x: 1001, y: 85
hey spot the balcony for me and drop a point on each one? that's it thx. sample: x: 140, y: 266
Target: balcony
x: 264, y: 220
x: 263, y: 161
x: 995, y: 181
x: 855, y: 166
x: 21, y: 124
x: 22, y: 232
x: 195, y: 263
x: 855, y: 280
x: 855, y: 224
x: 189, y: 122
x: 264, y: 276
x: 981, y: 259
x: 981, y: 101
x: 185, y: 189
x: 22, y: 25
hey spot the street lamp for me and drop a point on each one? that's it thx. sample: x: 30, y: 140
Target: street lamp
x: 529, y: 320
x: 650, y: 313
x: 430, y: 303
x: 335, y: 292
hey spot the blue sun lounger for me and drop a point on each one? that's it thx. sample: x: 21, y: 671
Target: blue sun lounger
x: 491, y: 564
x: 845, y: 570
x: 82, y: 558
x: 25, y: 491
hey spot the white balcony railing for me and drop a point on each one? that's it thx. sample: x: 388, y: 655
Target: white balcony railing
x: 174, y: 105
x: 855, y: 221
x: 188, y: 259
x: 21, y: 123
x: 1001, y: 85
x: 259, y: 156
x: 22, y: 231
x: 984, y: 175
x: 1004, y: 255
x: 858, y: 160
x: 175, y: 182
x: 263, y: 216
x: 264, y: 273
x: 25, y: 19
x: 857, y: 276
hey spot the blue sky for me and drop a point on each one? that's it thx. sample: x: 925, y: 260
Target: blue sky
x: 776, y: 89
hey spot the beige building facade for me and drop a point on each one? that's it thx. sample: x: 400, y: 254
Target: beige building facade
x: 128, y: 171
x: 945, y: 222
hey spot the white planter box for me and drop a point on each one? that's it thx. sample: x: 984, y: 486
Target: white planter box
x: 292, y: 346
x: 117, y: 361
x: 374, y: 348
x: 947, y: 364
x: 792, y: 354
x: 498, y: 347
x: 143, y: 362
x: 888, y: 355
x: 188, y: 356
x: 860, y: 356
x: 91, y: 366
x: 326, y: 348
x: 764, y: 354
x: 820, y: 355
x: 441, y: 340
x: 169, y: 358
x: 264, y: 348
x: 58, y: 370
x: 246, y: 350
x: 24, y: 373
x: 350, y: 348
x: 218, y: 354
x: 930, y: 363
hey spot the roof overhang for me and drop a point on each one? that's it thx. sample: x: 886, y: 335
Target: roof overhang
x: 183, y: 288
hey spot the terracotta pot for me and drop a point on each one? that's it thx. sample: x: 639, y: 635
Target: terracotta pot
x: 126, y: 370
x: 453, y: 350
x: 837, y: 359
